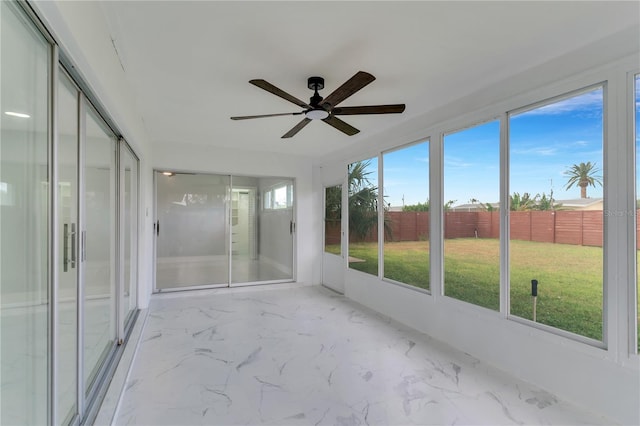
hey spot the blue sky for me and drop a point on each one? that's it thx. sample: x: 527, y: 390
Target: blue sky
x: 544, y: 143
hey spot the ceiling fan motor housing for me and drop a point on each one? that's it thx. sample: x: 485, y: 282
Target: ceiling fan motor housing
x: 315, y: 83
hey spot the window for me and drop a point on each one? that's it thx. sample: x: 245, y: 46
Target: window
x: 267, y: 200
x: 278, y: 197
x: 406, y: 218
x: 363, y: 215
x: 333, y: 219
x: 7, y: 197
x: 471, y: 219
x: 556, y: 213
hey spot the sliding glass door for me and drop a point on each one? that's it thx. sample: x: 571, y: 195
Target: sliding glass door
x: 24, y: 214
x: 68, y: 243
x: 68, y: 234
x: 191, y: 232
x: 221, y: 230
x: 262, y: 231
x: 129, y: 232
x: 99, y: 245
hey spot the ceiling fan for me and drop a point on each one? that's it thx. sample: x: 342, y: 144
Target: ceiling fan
x: 326, y: 109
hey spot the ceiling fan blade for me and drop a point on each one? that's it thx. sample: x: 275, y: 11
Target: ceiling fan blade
x: 249, y: 117
x: 369, y: 109
x: 341, y: 125
x: 296, y: 128
x: 351, y: 86
x: 279, y: 92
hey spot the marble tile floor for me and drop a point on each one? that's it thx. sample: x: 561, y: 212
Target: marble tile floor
x: 308, y: 356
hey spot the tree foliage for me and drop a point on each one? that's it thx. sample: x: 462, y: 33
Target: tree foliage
x: 333, y: 203
x: 522, y: 202
x: 363, y: 201
x: 420, y: 207
x: 526, y: 202
x: 583, y: 175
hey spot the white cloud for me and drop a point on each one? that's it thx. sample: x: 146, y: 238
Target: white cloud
x: 546, y: 151
x: 456, y: 162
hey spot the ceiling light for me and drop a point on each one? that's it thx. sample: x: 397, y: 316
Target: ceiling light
x: 17, y: 114
x: 168, y: 173
x: 316, y: 114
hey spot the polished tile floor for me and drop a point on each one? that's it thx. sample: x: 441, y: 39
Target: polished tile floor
x: 308, y: 356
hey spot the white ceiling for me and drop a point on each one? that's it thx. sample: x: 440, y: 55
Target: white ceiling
x: 189, y: 63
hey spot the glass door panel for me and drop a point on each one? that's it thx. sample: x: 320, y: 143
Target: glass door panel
x: 262, y: 233
x: 129, y: 223
x: 67, y: 324
x: 332, y: 260
x: 191, y: 230
x: 24, y: 215
x: 99, y: 249
x: 333, y: 219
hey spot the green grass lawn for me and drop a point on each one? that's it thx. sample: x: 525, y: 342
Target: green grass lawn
x: 569, y: 276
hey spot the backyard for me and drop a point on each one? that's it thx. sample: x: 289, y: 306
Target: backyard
x: 569, y: 276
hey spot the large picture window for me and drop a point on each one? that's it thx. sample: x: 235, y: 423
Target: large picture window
x: 406, y: 225
x: 363, y: 215
x: 556, y: 213
x: 471, y: 218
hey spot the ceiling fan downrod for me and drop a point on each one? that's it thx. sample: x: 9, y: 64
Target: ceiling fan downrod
x: 316, y: 112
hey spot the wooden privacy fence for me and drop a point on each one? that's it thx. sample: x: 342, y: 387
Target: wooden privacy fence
x: 579, y: 227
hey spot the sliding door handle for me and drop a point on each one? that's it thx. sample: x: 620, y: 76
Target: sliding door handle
x: 65, y: 248
x: 73, y: 245
x: 157, y: 226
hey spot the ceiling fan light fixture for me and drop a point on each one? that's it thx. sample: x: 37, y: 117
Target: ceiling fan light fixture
x: 316, y: 114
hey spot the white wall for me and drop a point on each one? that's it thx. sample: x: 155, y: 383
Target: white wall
x: 606, y: 381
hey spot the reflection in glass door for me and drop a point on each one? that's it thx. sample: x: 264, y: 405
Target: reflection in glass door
x: 99, y: 235
x: 210, y: 232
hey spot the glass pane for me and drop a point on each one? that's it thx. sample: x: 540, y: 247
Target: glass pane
x: 192, y: 240
x: 24, y: 188
x: 471, y: 218
x: 363, y: 216
x: 261, y: 239
x: 556, y: 216
x: 130, y: 225
x: 67, y: 248
x: 333, y: 219
x: 406, y: 224
x: 100, y: 232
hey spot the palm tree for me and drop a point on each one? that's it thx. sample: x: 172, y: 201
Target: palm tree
x: 363, y: 200
x: 583, y: 175
x: 522, y: 202
x: 333, y: 207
